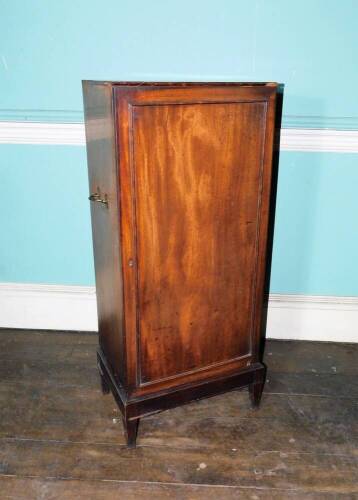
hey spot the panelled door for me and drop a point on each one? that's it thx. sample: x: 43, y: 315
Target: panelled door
x: 197, y: 170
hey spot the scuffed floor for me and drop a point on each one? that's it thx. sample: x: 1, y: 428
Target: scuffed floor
x: 61, y: 439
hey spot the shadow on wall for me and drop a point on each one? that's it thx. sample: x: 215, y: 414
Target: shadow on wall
x: 294, y: 217
x: 274, y: 182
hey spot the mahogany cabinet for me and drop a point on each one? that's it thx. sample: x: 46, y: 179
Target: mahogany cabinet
x: 180, y: 177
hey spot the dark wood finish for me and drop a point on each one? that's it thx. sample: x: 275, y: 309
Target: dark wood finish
x: 256, y: 388
x: 102, y: 168
x: 180, y: 242
x: 189, y: 466
x: 36, y: 488
x: 255, y: 391
x: 59, y: 438
x: 196, y: 234
x: 104, y: 385
x: 131, y: 429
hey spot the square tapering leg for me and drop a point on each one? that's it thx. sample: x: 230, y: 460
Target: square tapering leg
x: 131, y: 431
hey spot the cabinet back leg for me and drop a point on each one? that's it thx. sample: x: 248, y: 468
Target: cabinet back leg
x: 104, y: 386
x: 255, y: 391
x: 130, y: 431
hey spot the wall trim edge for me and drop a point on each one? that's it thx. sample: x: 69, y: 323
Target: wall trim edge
x: 72, y: 307
x: 73, y: 134
x: 337, y: 122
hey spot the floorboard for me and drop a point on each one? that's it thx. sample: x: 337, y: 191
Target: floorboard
x: 54, y: 489
x: 60, y: 435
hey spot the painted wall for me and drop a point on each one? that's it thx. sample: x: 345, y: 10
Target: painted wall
x: 47, y: 47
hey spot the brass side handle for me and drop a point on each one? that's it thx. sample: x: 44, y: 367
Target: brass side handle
x: 99, y: 198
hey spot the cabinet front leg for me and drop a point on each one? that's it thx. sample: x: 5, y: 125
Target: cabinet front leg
x: 131, y: 430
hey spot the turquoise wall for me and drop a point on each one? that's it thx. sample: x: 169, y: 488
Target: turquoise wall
x: 48, y: 47
x: 45, y: 216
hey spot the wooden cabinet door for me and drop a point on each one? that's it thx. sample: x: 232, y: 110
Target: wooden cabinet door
x: 198, y: 170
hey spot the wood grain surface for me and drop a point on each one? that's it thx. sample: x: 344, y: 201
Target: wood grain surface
x: 102, y: 176
x: 180, y: 182
x: 198, y: 171
x: 60, y: 438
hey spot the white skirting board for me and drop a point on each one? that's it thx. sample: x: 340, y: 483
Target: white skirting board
x: 48, y: 307
x: 313, y: 317
x: 62, y: 307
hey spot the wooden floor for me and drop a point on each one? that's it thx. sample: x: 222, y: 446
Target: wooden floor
x: 61, y: 439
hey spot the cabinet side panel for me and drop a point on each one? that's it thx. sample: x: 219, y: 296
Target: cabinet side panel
x: 198, y: 175
x: 102, y: 170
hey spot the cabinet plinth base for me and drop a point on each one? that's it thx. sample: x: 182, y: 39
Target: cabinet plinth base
x: 133, y: 409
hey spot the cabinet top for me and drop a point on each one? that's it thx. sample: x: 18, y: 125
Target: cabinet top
x: 180, y: 84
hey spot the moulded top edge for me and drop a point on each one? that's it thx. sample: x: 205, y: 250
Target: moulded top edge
x: 180, y: 84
